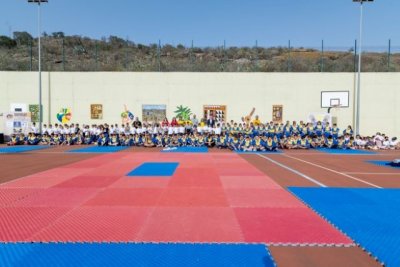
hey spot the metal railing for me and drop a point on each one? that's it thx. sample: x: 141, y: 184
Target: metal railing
x: 75, y: 53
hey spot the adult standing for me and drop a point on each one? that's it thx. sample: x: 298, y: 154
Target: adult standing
x: 211, y: 122
x: 194, y: 120
x: 137, y: 123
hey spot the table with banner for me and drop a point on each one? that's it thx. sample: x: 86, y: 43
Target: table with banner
x: 16, y: 122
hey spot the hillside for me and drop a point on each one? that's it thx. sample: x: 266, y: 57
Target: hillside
x: 77, y: 53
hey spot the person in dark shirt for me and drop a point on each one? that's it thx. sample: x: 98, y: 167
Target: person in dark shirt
x: 137, y: 123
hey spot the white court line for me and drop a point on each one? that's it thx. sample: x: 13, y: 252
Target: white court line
x: 341, y: 173
x: 294, y: 171
x: 373, y: 173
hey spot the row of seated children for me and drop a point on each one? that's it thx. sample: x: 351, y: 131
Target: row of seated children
x: 242, y: 143
x: 248, y: 138
x: 233, y: 142
x: 268, y: 128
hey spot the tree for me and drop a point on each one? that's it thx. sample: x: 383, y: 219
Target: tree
x: 58, y: 34
x: 22, y: 38
x: 7, y: 42
x: 116, y: 41
x: 183, y: 113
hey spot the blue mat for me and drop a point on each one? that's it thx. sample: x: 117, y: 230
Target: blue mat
x: 187, y: 150
x: 383, y: 164
x: 346, y: 151
x: 20, y: 149
x: 133, y: 254
x: 98, y: 149
x: 155, y: 169
x: 369, y: 216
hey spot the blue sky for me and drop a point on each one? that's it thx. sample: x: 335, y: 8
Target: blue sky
x: 210, y: 22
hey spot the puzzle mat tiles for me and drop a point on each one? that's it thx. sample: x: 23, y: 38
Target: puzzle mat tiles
x: 133, y: 254
x: 383, y: 163
x: 210, y: 198
x: 370, y: 216
x: 20, y: 149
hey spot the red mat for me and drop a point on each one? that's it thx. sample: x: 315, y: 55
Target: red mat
x: 57, y: 197
x: 63, y: 172
x: 126, y: 197
x: 210, y: 198
x: 35, y: 181
x: 89, y: 181
x: 96, y: 225
x: 261, y: 198
x: 195, y: 172
x: 20, y: 224
x: 195, y: 180
x: 248, y: 182
x: 287, y: 225
x: 193, y: 197
x: 148, y: 182
x: 191, y: 225
x: 8, y: 196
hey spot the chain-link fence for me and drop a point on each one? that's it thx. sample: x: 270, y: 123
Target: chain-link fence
x: 75, y: 53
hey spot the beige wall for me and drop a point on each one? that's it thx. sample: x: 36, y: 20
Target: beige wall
x: 299, y: 93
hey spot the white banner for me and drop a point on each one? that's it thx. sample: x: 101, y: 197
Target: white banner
x: 17, y: 122
x: 322, y: 117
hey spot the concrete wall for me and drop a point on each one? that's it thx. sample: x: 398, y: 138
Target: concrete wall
x: 299, y: 93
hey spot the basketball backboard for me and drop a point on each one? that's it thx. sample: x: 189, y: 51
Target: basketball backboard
x: 331, y: 99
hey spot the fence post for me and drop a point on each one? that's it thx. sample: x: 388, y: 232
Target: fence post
x: 256, y: 58
x: 224, y: 56
x: 389, y: 52
x: 322, y: 56
x: 30, y: 55
x: 97, y: 56
x: 289, y: 63
x: 63, y: 54
x: 127, y: 55
x: 355, y: 56
x: 191, y: 56
x: 158, y: 55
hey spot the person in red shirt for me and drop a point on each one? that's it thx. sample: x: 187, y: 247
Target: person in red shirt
x: 165, y: 122
x: 174, y: 122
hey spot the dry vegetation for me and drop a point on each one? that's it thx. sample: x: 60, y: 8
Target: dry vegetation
x: 76, y: 53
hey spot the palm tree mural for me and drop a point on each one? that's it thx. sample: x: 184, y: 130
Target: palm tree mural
x: 183, y: 113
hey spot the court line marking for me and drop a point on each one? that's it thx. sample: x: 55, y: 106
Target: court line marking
x: 293, y: 170
x: 373, y: 173
x: 337, y: 172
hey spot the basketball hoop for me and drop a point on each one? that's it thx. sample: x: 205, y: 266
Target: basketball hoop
x: 334, y: 107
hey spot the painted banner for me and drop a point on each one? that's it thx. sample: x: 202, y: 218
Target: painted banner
x: 96, y: 111
x: 127, y: 116
x: 277, y: 113
x: 154, y: 113
x: 34, y: 110
x: 64, y: 115
x: 218, y: 112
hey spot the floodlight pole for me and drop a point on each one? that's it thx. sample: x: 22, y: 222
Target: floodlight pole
x: 39, y: 2
x: 357, y: 96
x: 40, y: 74
x: 357, y: 130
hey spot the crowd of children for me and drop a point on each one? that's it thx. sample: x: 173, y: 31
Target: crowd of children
x: 250, y: 136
